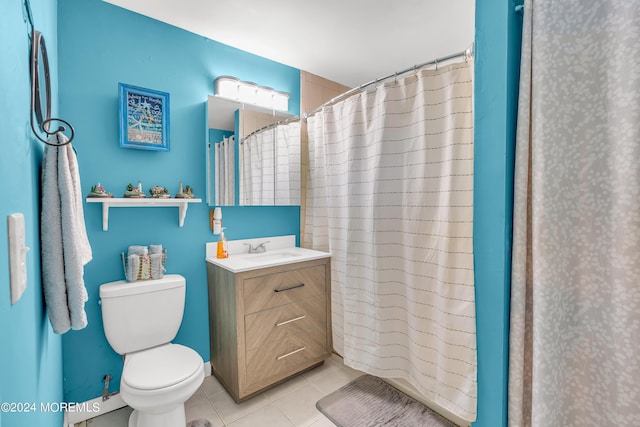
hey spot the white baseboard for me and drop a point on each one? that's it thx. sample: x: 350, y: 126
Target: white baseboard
x: 96, y: 407
x: 93, y: 408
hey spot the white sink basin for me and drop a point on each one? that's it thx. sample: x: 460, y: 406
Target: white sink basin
x: 238, y: 262
x: 271, y: 256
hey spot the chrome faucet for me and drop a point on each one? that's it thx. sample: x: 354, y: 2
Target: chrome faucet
x: 258, y: 249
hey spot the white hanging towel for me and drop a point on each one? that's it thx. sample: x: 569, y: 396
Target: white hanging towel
x: 64, y: 243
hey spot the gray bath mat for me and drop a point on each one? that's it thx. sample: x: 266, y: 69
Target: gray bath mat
x: 368, y: 401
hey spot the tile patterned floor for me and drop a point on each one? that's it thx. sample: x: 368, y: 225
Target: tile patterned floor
x: 291, y: 404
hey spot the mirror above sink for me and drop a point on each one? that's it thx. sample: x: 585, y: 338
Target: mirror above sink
x: 253, y: 155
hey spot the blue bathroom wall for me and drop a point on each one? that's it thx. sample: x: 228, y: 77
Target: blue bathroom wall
x: 497, y: 64
x: 30, y: 353
x: 99, y: 46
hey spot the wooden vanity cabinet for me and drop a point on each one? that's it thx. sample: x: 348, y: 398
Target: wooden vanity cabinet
x: 269, y: 324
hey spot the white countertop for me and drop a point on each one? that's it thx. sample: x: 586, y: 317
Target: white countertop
x: 281, y: 250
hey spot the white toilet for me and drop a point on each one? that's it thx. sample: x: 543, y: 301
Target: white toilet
x: 140, y: 320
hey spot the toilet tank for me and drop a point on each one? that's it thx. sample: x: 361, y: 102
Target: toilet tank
x: 142, y: 314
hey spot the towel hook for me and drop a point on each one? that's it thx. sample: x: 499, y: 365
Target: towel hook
x: 44, y: 119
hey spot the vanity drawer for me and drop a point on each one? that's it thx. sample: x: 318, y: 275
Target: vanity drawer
x: 279, y: 359
x: 277, y: 323
x: 273, y: 290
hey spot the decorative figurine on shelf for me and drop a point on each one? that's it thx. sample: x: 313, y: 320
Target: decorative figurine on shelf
x: 187, y: 193
x: 99, y: 191
x: 158, y: 192
x: 134, y: 192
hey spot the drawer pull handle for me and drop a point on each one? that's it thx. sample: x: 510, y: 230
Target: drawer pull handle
x: 289, y: 354
x: 289, y: 288
x: 291, y: 320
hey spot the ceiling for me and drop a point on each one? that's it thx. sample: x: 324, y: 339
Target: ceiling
x: 349, y: 41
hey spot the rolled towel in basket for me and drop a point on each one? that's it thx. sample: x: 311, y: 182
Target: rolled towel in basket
x: 145, y: 267
x: 133, y: 266
x: 157, y: 269
x: 138, y: 250
x: 155, y: 249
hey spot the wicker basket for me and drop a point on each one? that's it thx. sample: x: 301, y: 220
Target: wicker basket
x: 144, y: 271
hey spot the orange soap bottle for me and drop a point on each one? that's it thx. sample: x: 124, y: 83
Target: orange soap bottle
x: 221, y: 250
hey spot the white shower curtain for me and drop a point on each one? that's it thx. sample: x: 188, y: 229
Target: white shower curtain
x: 575, y: 293
x: 257, y: 171
x: 224, y: 172
x: 287, y: 161
x: 270, y: 172
x: 390, y: 194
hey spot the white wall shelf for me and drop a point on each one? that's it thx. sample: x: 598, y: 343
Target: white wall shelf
x: 108, y: 202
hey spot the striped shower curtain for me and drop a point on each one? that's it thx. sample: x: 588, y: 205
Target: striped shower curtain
x: 287, y: 160
x: 270, y: 166
x: 390, y: 195
x: 224, y: 168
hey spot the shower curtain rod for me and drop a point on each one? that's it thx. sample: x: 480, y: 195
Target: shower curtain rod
x: 271, y: 125
x: 467, y: 53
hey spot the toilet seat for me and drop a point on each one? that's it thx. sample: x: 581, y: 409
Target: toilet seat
x: 160, y: 367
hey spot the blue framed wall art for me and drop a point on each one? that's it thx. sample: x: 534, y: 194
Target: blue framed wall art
x: 144, y: 118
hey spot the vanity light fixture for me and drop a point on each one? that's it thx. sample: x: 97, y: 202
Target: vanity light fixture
x: 227, y: 87
x: 247, y: 92
x: 250, y: 93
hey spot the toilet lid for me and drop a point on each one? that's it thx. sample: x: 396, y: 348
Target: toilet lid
x: 160, y: 367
